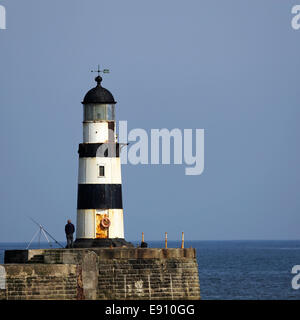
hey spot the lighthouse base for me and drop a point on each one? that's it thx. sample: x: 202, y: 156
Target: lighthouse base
x: 102, y: 243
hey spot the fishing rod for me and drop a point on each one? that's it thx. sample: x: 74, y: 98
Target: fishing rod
x: 45, y: 232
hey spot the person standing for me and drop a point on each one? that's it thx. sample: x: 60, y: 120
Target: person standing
x: 69, y: 229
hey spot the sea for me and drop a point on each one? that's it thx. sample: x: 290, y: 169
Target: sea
x: 234, y: 270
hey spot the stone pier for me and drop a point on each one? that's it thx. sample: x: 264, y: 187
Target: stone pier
x: 101, y: 274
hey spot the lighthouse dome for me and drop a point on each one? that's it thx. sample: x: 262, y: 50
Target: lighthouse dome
x: 99, y: 94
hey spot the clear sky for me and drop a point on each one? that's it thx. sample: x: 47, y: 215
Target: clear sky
x: 230, y: 67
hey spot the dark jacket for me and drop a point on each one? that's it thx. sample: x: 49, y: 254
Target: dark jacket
x: 69, y: 228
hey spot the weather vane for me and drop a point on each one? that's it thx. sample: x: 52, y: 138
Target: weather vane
x: 100, y: 71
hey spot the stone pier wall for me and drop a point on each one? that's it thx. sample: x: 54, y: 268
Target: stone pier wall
x: 101, y: 273
x: 29, y: 282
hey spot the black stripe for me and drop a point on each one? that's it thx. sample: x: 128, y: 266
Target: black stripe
x: 99, y: 196
x: 91, y: 150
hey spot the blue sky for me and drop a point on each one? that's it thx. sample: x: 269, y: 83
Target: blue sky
x: 229, y: 67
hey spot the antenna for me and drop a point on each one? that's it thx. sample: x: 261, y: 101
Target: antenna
x: 100, y: 71
x: 43, y: 231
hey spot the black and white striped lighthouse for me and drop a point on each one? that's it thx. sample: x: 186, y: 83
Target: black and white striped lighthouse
x: 99, y: 201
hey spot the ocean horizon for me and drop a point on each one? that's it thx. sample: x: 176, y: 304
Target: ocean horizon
x: 231, y: 269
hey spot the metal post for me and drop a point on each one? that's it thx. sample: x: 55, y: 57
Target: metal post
x: 182, y: 240
x: 143, y: 239
x: 166, y: 240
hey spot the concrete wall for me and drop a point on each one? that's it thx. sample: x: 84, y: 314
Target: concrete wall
x: 102, y: 273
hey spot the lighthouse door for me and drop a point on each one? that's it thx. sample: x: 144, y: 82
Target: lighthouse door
x: 100, y: 231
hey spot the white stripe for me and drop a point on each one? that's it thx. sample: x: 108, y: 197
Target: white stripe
x: 95, y: 132
x: 89, y: 171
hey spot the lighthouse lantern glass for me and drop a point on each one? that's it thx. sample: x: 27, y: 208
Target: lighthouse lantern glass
x: 93, y: 112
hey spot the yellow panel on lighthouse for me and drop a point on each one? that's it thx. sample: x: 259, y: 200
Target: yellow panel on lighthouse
x: 101, y: 232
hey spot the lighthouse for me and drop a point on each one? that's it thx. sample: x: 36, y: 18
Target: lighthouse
x: 99, y: 199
